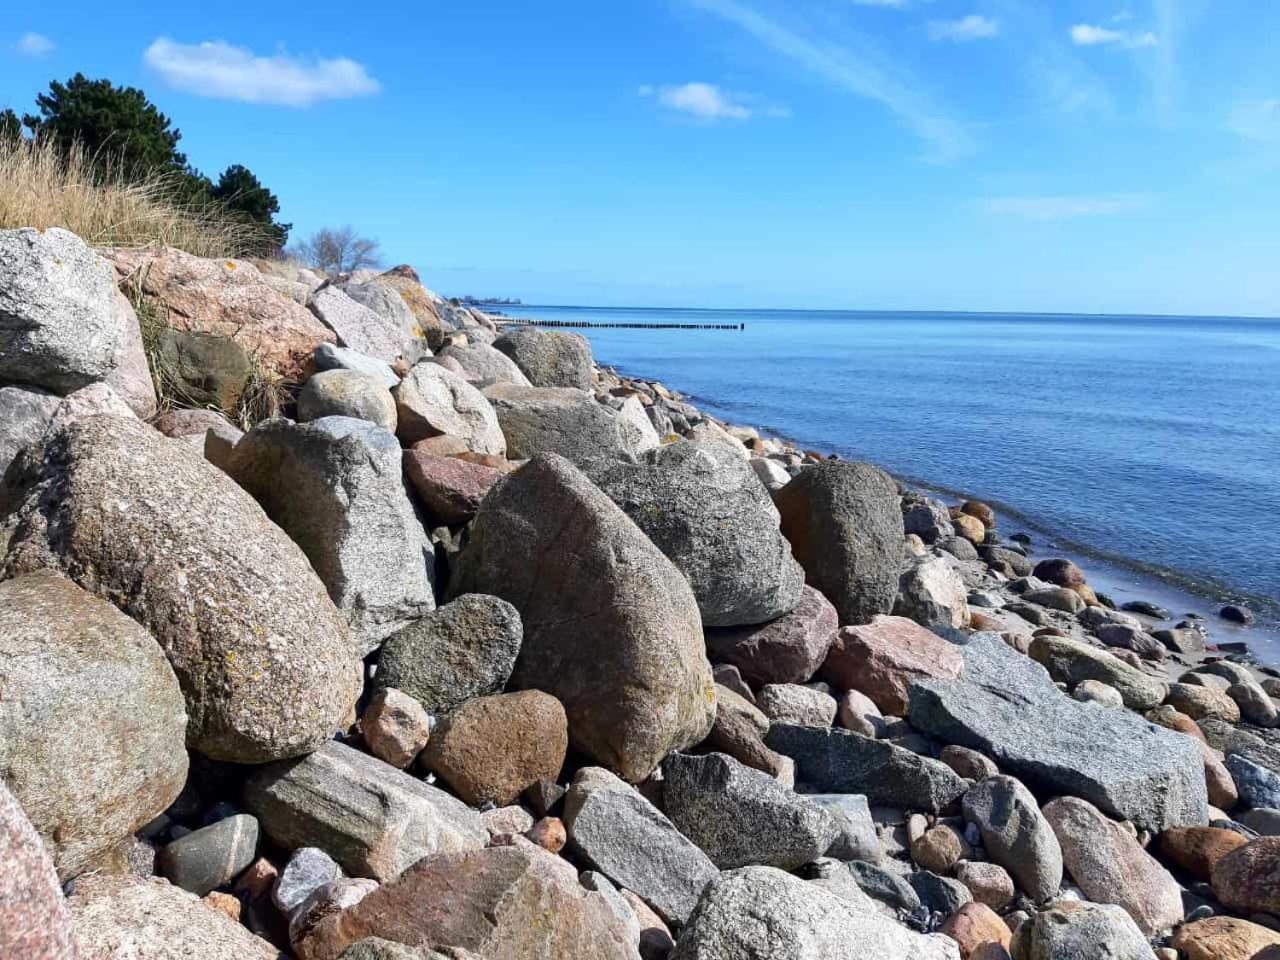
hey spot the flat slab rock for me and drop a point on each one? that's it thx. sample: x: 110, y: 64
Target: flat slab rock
x: 1007, y: 707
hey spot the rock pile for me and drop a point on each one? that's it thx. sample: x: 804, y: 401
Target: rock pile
x: 485, y: 651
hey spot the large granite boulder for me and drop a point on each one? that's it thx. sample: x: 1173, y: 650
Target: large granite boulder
x: 1072, y: 662
x: 933, y: 594
x: 618, y: 832
x: 837, y: 761
x: 263, y: 657
x: 561, y: 420
x: 485, y: 364
x: 710, y: 515
x: 434, y: 401
x: 373, y: 819
x: 761, y: 913
x: 1248, y: 879
x: 149, y: 919
x: 92, y: 723
x: 230, y: 298
x: 34, y: 923
x: 359, y: 328
x: 58, y: 328
x: 611, y: 628
x: 1016, y: 835
x: 883, y: 658
x: 845, y: 528
x: 1109, y: 865
x: 336, y: 486
x: 331, y: 357
x: 550, y: 358
x: 740, y: 816
x: 385, y: 296
x: 500, y: 903
x: 1007, y: 707
x: 789, y: 649
x: 25, y: 414
x: 465, y: 649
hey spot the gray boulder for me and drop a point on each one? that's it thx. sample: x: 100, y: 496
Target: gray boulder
x: 1079, y: 930
x: 761, y: 913
x: 131, y: 378
x: 579, y: 570
x: 212, y: 856
x: 932, y: 594
x: 373, y: 819
x: 845, y: 528
x: 264, y: 658
x: 1016, y: 835
x: 638, y: 434
x: 359, y: 328
x: 549, y: 358
x: 336, y: 486
x: 1007, y: 707
x: 856, y: 837
x: 92, y: 722
x: 1258, y: 786
x: 710, y: 515
x: 150, y: 918
x: 837, y: 761
x: 331, y: 357
x: 58, y: 325
x: 308, y: 869
x: 347, y: 393
x: 927, y: 518
x: 465, y: 649
x: 564, y: 421
x: 740, y: 816
x: 485, y: 364
x: 25, y: 414
x: 617, y: 831
x: 202, y: 369
x: 433, y: 401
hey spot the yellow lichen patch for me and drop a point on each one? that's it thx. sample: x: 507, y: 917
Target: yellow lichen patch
x: 231, y: 264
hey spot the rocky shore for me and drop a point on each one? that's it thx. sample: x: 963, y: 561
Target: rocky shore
x: 338, y: 620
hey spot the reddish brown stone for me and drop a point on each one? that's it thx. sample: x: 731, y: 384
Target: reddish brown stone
x: 451, y: 489
x: 1248, y: 878
x: 1059, y: 572
x: 1224, y: 938
x: 787, y: 650
x: 884, y: 657
x: 257, y: 879
x: 976, y: 924
x: 225, y: 903
x: 395, y: 727
x: 491, y: 748
x: 549, y: 834
x: 34, y: 924
x: 1197, y: 849
x: 980, y: 511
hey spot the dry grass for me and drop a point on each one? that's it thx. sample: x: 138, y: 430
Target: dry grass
x: 42, y: 187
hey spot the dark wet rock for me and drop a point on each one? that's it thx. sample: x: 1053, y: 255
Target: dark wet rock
x: 212, y: 856
x: 837, y: 761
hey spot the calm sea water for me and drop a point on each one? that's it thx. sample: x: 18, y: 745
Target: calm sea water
x: 1151, y: 440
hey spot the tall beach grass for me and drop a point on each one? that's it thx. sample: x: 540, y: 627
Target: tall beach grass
x: 43, y: 185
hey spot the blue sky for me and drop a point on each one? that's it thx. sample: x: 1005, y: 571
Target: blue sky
x: 1076, y: 155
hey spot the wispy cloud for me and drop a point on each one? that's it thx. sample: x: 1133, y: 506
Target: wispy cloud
x: 857, y: 67
x: 35, y: 45
x: 1065, y: 207
x: 972, y: 27
x: 704, y: 101
x: 1088, y: 35
x: 1257, y: 120
x: 222, y: 71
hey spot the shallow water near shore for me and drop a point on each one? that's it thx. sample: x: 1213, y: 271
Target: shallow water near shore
x: 1147, y: 447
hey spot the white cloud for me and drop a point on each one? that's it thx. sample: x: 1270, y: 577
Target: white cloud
x: 1257, y: 120
x: 972, y: 27
x: 1088, y: 35
x: 706, y: 101
x: 35, y: 45
x: 856, y: 67
x: 1066, y: 207
x: 222, y: 71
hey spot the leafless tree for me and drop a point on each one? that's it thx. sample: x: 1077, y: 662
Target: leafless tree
x: 338, y: 250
